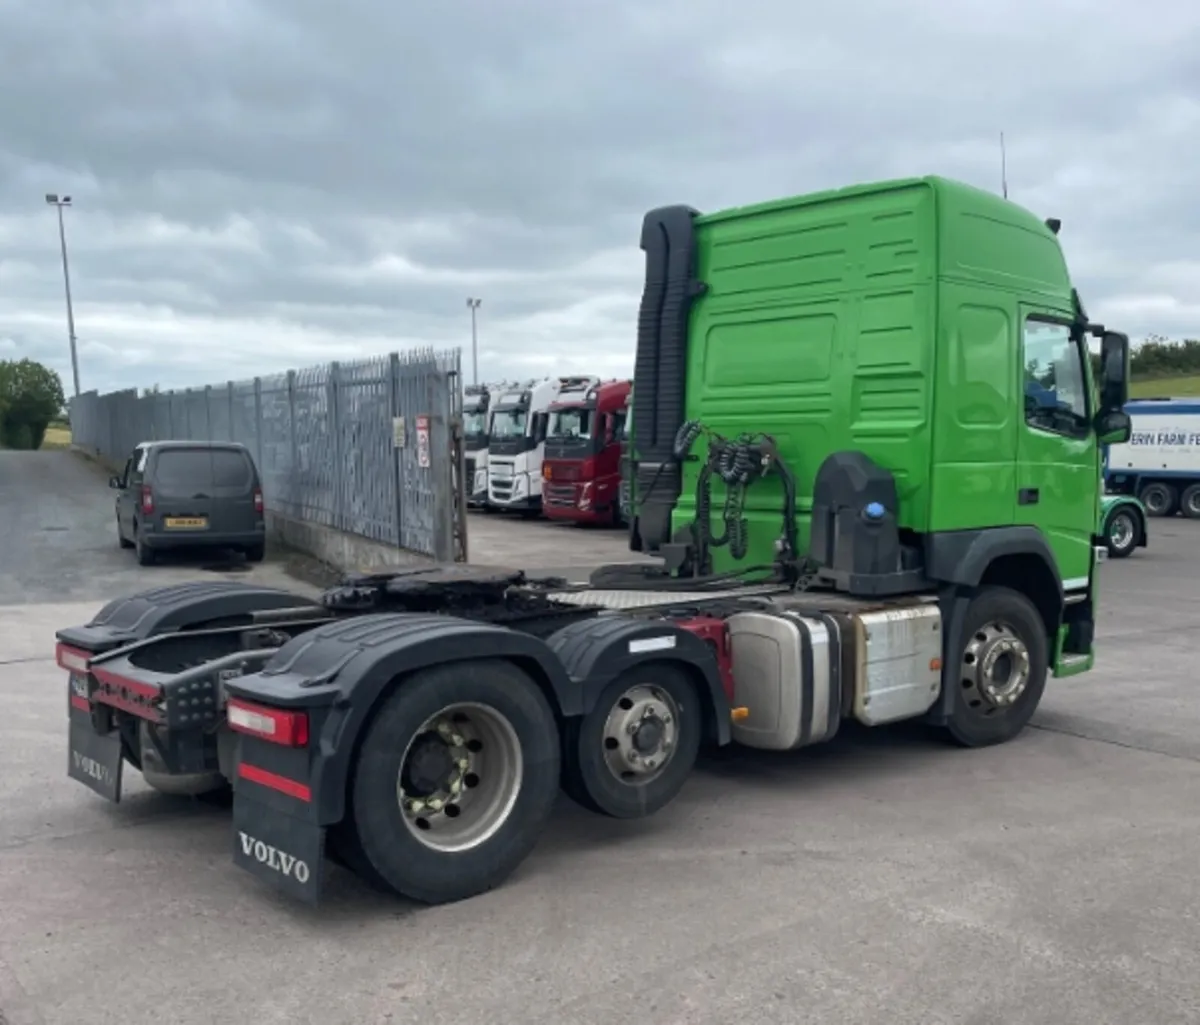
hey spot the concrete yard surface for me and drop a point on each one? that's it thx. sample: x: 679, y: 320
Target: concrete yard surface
x: 884, y: 878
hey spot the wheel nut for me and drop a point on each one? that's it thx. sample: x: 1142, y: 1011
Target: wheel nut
x: 632, y: 728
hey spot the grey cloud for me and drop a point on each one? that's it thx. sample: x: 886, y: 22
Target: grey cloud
x: 274, y: 182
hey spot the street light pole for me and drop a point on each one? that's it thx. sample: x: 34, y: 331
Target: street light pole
x: 473, y: 305
x: 53, y: 199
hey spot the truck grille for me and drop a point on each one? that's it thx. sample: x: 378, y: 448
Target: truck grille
x: 560, y: 495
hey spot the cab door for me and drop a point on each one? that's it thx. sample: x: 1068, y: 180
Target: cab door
x: 1057, y: 468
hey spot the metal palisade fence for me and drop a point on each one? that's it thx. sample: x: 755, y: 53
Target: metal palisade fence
x: 370, y: 448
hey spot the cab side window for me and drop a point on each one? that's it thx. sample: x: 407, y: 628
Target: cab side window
x: 1055, y: 384
x: 135, y: 470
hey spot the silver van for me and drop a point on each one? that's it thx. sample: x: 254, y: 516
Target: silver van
x: 186, y: 494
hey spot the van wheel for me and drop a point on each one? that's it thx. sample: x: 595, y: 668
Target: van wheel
x: 145, y: 556
x: 1159, y: 499
x: 256, y: 553
x: 999, y: 672
x: 122, y: 540
x: 456, y: 777
x: 631, y: 755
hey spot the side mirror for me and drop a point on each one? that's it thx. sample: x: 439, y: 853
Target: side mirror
x: 1113, y: 427
x: 114, y: 482
x: 1114, y: 372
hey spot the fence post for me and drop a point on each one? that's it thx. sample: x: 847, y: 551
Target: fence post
x: 397, y: 454
x: 258, y: 424
x: 294, y: 469
x: 437, y: 394
x: 341, y: 514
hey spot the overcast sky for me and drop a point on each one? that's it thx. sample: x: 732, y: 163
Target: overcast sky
x: 270, y: 183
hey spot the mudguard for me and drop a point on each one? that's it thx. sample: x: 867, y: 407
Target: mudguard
x: 178, y: 607
x: 340, y: 671
x: 596, y: 651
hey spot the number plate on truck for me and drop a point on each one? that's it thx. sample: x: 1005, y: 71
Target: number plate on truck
x: 94, y: 759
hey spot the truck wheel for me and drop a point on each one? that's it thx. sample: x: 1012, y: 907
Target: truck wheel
x: 456, y: 776
x: 1189, y: 502
x: 999, y: 673
x: 1121, y: 532
x: 631, y: 755
x: 1159, y: 499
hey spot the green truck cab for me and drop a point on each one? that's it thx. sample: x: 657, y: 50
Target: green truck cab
x: 886, y: 388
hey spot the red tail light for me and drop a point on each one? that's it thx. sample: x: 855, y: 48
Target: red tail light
x: 71, y: 659
x: 271, y: 724
x: 147, y: 499
x: 258, y: 501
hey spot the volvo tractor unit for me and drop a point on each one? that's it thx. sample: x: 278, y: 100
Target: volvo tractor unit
x: 581, y: 472
x: 517, y: 445
x: 866, y: 451
x: 478, y: 402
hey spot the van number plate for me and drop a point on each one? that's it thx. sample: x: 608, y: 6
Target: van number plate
x: 185, y: 522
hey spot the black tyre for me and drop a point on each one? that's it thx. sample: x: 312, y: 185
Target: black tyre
x: 1189, y: 502
x: 1122, y: 530
x: 1160, y: 499
x: 456, y: 777
x: 145, y: 555
x: 256, y: 553
x: 631, y: 755
x: 122, y: 540
x: 999, y: 676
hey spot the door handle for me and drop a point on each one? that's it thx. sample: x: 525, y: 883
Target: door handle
x: 1027, y: 496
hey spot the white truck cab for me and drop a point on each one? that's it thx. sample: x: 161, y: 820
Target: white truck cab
x: 517, y: 442
x: 479, y: 400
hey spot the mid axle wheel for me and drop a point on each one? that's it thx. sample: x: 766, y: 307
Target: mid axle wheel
x: 633, y: 752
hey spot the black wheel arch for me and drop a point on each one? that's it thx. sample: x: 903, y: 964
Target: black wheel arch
x: 596, y: 651
x: 963, y: 562
x: 344, y: 671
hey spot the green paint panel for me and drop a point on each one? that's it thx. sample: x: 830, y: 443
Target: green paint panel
x: 887, y: 318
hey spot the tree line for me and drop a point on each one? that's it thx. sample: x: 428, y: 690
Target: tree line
x: 31, y: 399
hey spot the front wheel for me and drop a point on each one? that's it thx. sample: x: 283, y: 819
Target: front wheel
x: 122, y: 540
x: 1121, y: 533
x: 456, y: 777
x: 631, y: 755
x: 999, y: 673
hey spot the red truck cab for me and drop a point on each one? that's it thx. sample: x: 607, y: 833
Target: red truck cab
x: 581, y: 470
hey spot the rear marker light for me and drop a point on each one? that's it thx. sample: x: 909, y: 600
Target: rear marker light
x: 278, y: 727
x: 71, y: 660
x: 147, y: 499
x: 258, y: 500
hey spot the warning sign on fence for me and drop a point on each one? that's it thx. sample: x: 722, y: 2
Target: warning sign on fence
x: 423, y: 442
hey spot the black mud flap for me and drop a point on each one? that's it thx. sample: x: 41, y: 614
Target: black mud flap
x: 94, y: 759
x: 280, y: 849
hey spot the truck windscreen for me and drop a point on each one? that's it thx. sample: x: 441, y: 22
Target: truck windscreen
x: 474, y: 422
x: 509, y: 423
x: 568, y: 424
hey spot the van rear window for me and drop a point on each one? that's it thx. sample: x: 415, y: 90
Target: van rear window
x: 198, y: 467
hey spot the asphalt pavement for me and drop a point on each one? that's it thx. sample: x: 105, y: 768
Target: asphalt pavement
x: 886, y: 877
